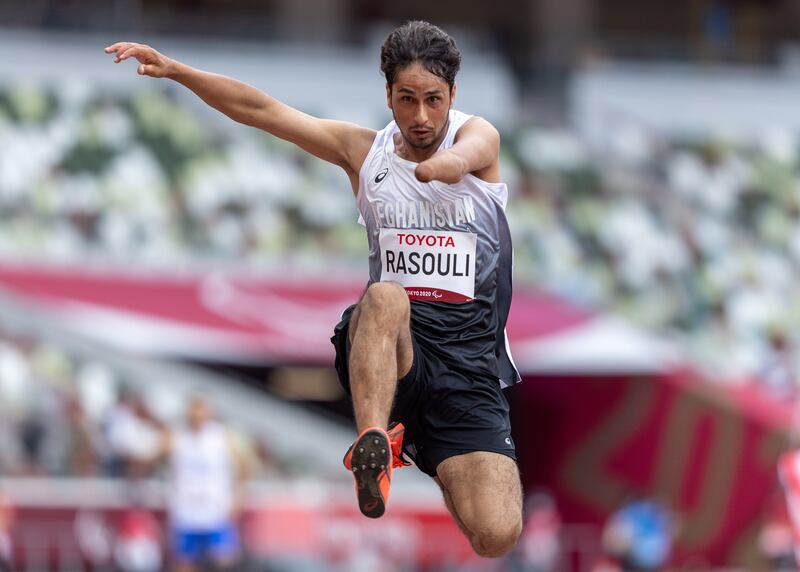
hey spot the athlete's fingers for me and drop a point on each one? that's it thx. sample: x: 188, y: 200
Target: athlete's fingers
x: 121, y: 47
x: 114, y: 47
x: 119, y: 53
x: 127, y: 52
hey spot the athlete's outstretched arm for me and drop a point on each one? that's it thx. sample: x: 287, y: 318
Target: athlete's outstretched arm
x: 338, y: 142
x: 476, y: 150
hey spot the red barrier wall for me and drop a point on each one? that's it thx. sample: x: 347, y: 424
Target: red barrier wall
x: 709, y: 453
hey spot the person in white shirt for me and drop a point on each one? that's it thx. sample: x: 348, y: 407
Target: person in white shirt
x: 204, y: 490
x: 425, y: 346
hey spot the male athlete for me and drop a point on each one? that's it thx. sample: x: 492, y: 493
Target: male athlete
x: 206, y: 472
x: 425, y: 345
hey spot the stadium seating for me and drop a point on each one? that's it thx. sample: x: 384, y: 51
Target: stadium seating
x: 698, y: 240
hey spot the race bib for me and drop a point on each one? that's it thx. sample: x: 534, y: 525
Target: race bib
x: 432, y: 265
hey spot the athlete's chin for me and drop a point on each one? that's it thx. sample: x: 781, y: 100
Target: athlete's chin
x: 426, y: 143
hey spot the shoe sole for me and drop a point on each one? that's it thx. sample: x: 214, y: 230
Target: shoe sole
x: 370, y: 452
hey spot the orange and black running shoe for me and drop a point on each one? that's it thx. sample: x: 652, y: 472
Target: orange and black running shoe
x: 396, y: 432
x: 371, y: 459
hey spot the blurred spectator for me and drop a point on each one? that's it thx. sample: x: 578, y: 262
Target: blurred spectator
x: 639, y: 535
x: 137, y: 545
x: 61, y: 415
x: 778, y: 373
x: 133, y: 436
x: 32, y: 431
x: 138, y: 540
x: 81, y: 439
x: 204, y: 491
x: 7, y: 517
x: 95, y: 538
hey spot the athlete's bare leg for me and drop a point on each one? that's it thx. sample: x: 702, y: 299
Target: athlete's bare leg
x: 225, y: 564
x: 381, y: 352
x: 483, y: 493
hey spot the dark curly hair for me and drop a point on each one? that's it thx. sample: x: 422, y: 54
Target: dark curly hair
x: 422, y: 42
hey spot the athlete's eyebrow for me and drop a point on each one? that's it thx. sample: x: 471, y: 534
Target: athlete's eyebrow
x: 434, y: 91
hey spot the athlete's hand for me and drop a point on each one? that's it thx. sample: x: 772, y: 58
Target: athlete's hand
x: 151, y: 62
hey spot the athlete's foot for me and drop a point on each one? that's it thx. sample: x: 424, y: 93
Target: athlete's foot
x: 370, y: 460
x: 396, y: 432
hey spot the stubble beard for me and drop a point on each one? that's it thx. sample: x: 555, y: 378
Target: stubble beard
x: 435, y: 140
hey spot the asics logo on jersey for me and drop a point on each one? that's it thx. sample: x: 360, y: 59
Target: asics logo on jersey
x: 381, y: 176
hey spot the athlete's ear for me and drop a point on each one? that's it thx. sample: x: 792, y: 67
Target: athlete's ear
x: 452, y: 95
x: 388, y: 95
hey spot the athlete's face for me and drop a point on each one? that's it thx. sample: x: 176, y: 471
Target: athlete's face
x: 198, y: 413
x: 420, y: 102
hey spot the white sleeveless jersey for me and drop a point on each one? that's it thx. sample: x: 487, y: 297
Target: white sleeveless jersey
x: 450, y: 248
x: 201, y: 478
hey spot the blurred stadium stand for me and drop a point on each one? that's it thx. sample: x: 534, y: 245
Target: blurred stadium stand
x: 652, y: 156
x: 66, y: 451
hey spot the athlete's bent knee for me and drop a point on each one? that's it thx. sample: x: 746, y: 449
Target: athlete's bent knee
x: 493, y: 543
x: 385, y: 299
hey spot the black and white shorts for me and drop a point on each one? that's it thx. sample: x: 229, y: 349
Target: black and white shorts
x: 446, y: 411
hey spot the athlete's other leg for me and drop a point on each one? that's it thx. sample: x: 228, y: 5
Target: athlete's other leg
x: 381, y: 352
x: 187, y: 549
x: 483, y: 493
x: 225, y: 548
